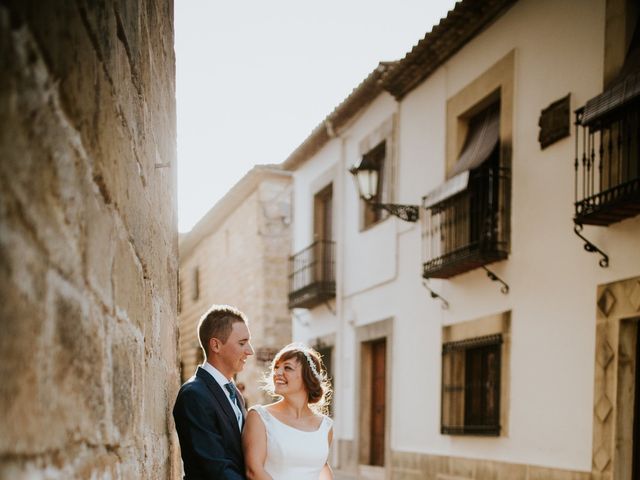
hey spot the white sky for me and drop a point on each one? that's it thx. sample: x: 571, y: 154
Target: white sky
x: 254, y: 77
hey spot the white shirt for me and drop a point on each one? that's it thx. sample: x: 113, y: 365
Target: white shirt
x: 222, y: 381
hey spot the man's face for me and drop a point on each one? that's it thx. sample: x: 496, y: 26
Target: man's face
x: 233, y: 354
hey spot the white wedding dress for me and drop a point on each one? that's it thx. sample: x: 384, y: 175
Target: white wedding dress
x: 294, y: 454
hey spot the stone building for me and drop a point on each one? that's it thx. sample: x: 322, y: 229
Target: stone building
x: 237, y: 254
x: 497, y: 336
x: 88, y: 240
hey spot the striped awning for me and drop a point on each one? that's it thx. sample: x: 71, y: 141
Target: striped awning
x: 621, y: 94
x: 482, y: 138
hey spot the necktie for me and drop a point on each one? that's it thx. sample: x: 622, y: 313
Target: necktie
x: 234, y: 396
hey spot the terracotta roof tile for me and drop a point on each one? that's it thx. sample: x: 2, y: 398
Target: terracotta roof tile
x: 461, y: 24
x: 466, y: 20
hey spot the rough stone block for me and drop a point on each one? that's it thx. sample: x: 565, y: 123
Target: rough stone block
x: 131, y: 296
x: 20, y: 346
x: 491, y: 470
x: 99, y: 243
x: 126, y: 382
x: 74, y: 381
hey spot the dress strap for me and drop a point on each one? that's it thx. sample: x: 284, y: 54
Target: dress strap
x: 263, y: 413
x: 327, y: 422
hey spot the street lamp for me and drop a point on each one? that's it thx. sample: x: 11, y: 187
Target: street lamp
x: 367, y: 177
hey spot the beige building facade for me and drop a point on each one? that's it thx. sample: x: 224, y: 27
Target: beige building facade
x: 88, y: 241
x: 497, y: 336
x: 237, y: 254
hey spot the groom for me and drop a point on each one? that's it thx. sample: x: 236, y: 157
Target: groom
x: 209, y: 413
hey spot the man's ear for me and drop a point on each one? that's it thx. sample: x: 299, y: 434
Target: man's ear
x: 214, y: 344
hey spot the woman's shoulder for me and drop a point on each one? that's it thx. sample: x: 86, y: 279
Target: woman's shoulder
x: 267, y: 407
x: 262, y: 411
x: 326, y: 420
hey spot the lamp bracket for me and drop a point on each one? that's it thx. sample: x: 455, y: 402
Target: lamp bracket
x: 504, y: 288
x: 408, y: 213
x: 590, y: 247
x: 434, y: 295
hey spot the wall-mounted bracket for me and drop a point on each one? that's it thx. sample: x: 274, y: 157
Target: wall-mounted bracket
x: 590, y: 247
x: 444, y: 304
x: 330, y: 308
x: 408, y: 213
x: 504, y: 288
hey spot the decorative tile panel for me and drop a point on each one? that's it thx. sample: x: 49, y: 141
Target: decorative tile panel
x: 604, y: 354
x: 601, y: 459
x: 603, y: 408
x: 606, y: 302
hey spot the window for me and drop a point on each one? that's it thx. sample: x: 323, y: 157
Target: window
x: 375, y: 157
x: 196, y: 284
x: 323, y: 214
x: 607, y: 149
x: 467, y: 216
x: 471, y: 371
x: 312, y: 270
x: 467, y: 222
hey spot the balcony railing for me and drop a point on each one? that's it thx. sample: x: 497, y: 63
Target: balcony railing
x: 312, y: 275
x: 607, y: 167
x: 470, y: 229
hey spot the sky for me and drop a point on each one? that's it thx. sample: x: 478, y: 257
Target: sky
x: 255, y: 77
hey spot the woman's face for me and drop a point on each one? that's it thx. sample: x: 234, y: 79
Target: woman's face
x: 287, y: 377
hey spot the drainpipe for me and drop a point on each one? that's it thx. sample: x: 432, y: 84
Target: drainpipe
x: 339, y: 237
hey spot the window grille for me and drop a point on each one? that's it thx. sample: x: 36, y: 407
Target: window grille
x: 466, y: 225
x: 471, y: 386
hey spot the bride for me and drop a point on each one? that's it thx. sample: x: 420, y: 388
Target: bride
x: 290, y: 439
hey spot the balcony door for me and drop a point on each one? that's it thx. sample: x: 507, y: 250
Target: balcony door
x: 323, y: 233
x: 323, y: 214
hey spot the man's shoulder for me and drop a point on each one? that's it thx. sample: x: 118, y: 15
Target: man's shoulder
x: 195, y: 385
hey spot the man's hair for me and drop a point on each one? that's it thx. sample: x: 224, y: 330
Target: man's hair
x: 217, y: 322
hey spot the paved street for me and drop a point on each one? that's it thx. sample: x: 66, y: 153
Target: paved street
x: 342, y: 476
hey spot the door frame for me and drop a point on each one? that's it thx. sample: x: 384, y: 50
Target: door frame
x: 366, y: 334
x: 617, y: 317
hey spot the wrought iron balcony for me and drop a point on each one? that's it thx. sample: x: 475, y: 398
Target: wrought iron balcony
x: 312, y: 275
x: 607, y: 165
x: 471, y: 228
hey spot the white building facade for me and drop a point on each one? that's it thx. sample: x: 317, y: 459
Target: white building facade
x: 485, y: 340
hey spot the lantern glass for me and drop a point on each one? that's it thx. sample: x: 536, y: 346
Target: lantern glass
x: 368, y: 183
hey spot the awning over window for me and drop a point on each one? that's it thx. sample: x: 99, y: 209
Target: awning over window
x: 623, y: 90
x: 482, y: 138
x: 622, y: 93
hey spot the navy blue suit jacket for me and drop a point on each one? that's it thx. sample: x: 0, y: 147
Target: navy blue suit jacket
x: 209, y: 435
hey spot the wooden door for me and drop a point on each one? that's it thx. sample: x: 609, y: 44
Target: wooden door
x: 323, y: 214
x: 378, y: 394
x: 322, y: 233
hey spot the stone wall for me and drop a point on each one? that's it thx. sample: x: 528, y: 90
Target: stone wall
x: 88, y: 240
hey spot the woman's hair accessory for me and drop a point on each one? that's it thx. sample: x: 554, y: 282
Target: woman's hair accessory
x: 312, y: 364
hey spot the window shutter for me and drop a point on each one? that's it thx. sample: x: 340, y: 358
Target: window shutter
x: 452, y: 420
x: 471, y: 386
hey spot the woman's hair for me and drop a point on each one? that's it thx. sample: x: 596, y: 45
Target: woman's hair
x: 315, y: 382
